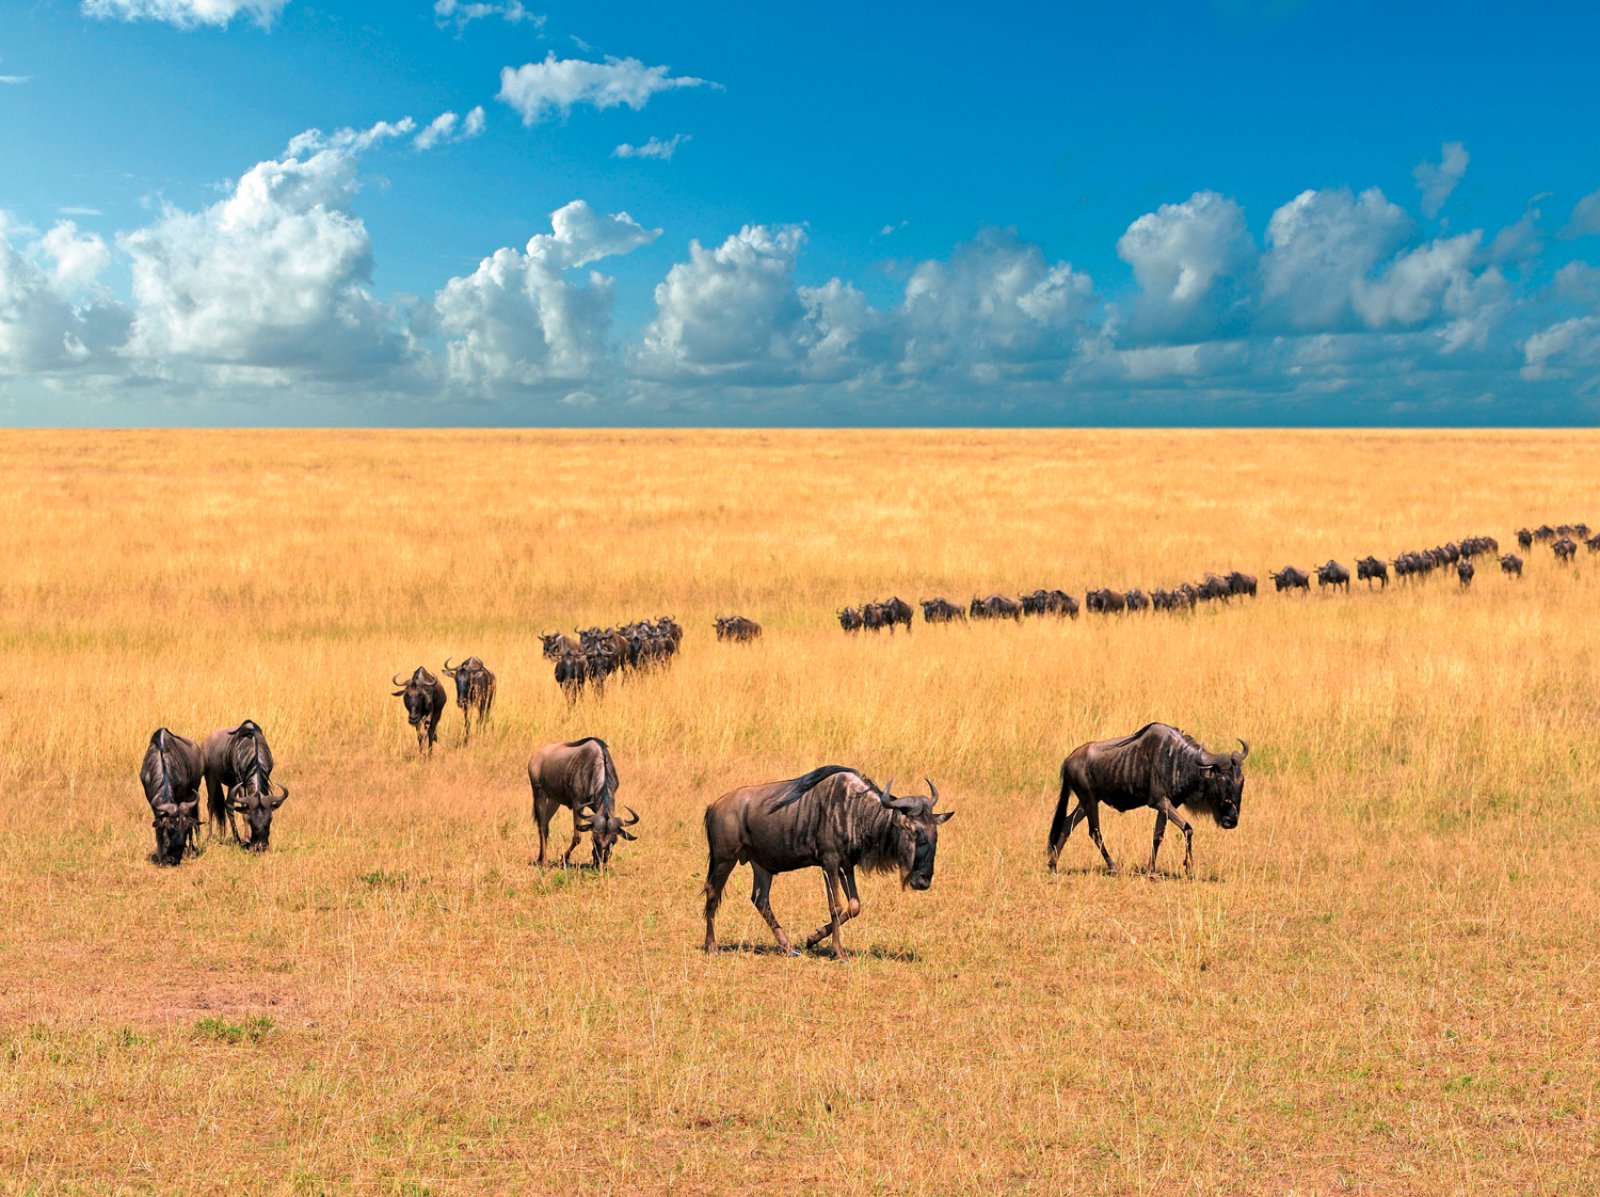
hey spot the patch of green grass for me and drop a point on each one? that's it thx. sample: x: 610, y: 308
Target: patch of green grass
x: 254, y: 1029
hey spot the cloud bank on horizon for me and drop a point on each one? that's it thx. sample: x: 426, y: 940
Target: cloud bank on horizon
x: 1336, y: 303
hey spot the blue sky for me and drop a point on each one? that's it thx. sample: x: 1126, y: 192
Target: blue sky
x: 442, y: 212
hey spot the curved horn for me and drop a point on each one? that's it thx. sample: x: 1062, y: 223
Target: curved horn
x: 1246, y: 751
x: 932, y: 789
x: 447, y: 668
x: 395, y: 681
x: 583, y: 825
x: 632, y: 821
x: 886, y: 797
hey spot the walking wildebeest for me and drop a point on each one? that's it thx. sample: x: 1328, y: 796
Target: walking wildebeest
x: 1511, y: 564
x: 832, y: 818
x: 170, y: 776
x: 1290, y: 578
x: 996, y: 606
x: 580, y: 776
x: 1593, y: 543
x: 474, y: 690
x: 1105, y: 602
x: 738, y: 628
x: 238, y: 770
x: 1464, y: 571
x: 556, y: 643
x: 424, y: 698
x: 1564, y: 548
x: 939, y: 610
x: 1524, y: 538
x: 1241, y: 584
x: 850, y: 619
x: 1137, y: 600
x: 1369, y: 570
x: 1333, y: 574
x: 1158, y: 767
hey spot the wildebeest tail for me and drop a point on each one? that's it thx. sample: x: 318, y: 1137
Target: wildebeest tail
x: 1058, y: 825
x: 794, y: 790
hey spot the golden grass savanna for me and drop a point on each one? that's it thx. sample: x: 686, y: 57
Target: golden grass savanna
x: 1381, y: 982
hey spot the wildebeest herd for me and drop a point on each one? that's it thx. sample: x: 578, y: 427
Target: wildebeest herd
x: 833, y: 818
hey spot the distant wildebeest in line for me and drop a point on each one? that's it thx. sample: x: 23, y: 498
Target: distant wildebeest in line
x: 1137, y: 600
x: 1544, y: 532
x: 1369, y: 570
x: 1157, y: 767
x: 1593, y: 543
x: 1577, y: 531
x: 1333, y: 574
x: 475, y: 687
x: 238, y: 771
x: 1511, y: 564
x: 170, y: 776
x: 737, y: 628
x: 890, y: 613
x: 1464, y: 572
x: 1290, y: 578
x: 557, y: 643
x: 1105, y: 602
x: 597, y: 653
x: 941, y: 610
x: 850, y: 619
x: 580, y: 776
x: 1241, y: 584
x: 1478, y: 546
x: 1564, y: 548
x: 1049, y: 602
x: 1181, y: 599
x: 1524, y: 538
x: 424, y: 700
x: 996, y: 606
x: 832, y: 818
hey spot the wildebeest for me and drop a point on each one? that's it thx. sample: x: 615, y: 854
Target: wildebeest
x: 1137, y: 600
x: 557, y: 643
x: 1593, y: 543
x: 1544, y: 532
x: 424, y: 700
x: 1524, y: 538
x: 1213, y: 587
x: 1333, y: 574
x: 580, y: 776
x: 1564, y: 548
x: 1464, y: 571
x: 996, y: 606
x: 1290, y: 578
x: 1369, y: 570
x: 850, y: 619
x: 475, y: 687
x: 941, y: 610
x: 1158, y: 767
x: 170, y: 776
x: 1105, y: 602
x: 238, y: 771
x: 1511, y: 564
x: 894, y: 610
x: 1241, y: 584
x: 833, y: 818
x: 737, y: 628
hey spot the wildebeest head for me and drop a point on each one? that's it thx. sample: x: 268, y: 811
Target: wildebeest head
x: 175, y: 823
x: 1222, y: 785
x: 257, y: 809
x: 606, y: 829
x: 918, y: 838
x: 417, y: 694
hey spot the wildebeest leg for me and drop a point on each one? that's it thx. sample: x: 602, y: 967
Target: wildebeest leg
x: 1165, y: 808
x: 544, y: 809
x: 852, y: 908
x: 716, y: 877
x: 576, y: 836
x: 227, y: 806
x: 830, y: 878
x: 1155, y: 846
x: 760, y: 895
x: 1091, y: 810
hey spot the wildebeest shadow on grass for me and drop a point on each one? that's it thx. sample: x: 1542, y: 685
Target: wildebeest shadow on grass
x: 1139, y: 871
x: 876, y: 952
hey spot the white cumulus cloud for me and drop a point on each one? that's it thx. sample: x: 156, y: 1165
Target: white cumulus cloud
x: 537, y: 90
x: 654, y: 148
x: 1557, y: 350
x: 1195, y: 265
x: 1436, y: 180
x: 463, y: 12
x: 275, y: 275
x: 448, y: 127
x: 1585, y: 218
x: 518, y: 320
x: 186, y: 14
x: 53, y: 313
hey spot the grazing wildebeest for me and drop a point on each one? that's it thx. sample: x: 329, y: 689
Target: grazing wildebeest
x: 1564, y: 548
x: 474, y: 690
x: 1464, y: 571
x: 850, y: 619
x: 424, y: 700
x: 1544, y: 532
x: 1241, y: 584
x: 1290, y: 578
x: 1333, y: 574
x: 997, y: 606
x: 1511, y: 564
x: 940, y: 610
x: 1158, y: 767
x: 1524, y: 538
x: 833, y: 818
x: 1369, y: 570
x: 580, y: 776
x: 737, y: 628
x: 238, y: 771
x: 170, y: 776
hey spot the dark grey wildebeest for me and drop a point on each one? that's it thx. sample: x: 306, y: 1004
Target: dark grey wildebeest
x: 1333, y: 574
x: 170, y: 776
x: 238, y: 768
x: 475, y: 686
x: 424, y: 698
x: 1290, y: 578
x: 581, y: 776
x: 832, y: 818
x: 1157, y: 767
x: 1511, y: 564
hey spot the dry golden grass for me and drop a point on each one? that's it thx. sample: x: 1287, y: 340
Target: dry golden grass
x: 1380, y: 983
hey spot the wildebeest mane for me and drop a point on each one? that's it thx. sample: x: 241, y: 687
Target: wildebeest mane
x: 161, y: 782
x: 605, y: 753
x: 797, y: 787
x: 1176, y: 758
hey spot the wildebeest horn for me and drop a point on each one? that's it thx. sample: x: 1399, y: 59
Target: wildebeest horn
x: 886, y: 798
x: 1246, y: 751
x: 632, y: 821
x: 281, y: 798
x: 448, y: 670
x: 583, y: 825
x: 167, y: 808
x: 395, y: 681
x: 932, y: 789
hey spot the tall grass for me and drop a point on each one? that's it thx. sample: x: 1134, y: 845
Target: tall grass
x: 1379, y: 982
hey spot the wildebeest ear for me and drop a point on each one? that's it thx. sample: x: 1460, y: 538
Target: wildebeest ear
x: 944, y: 816
x: 399, y: 693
